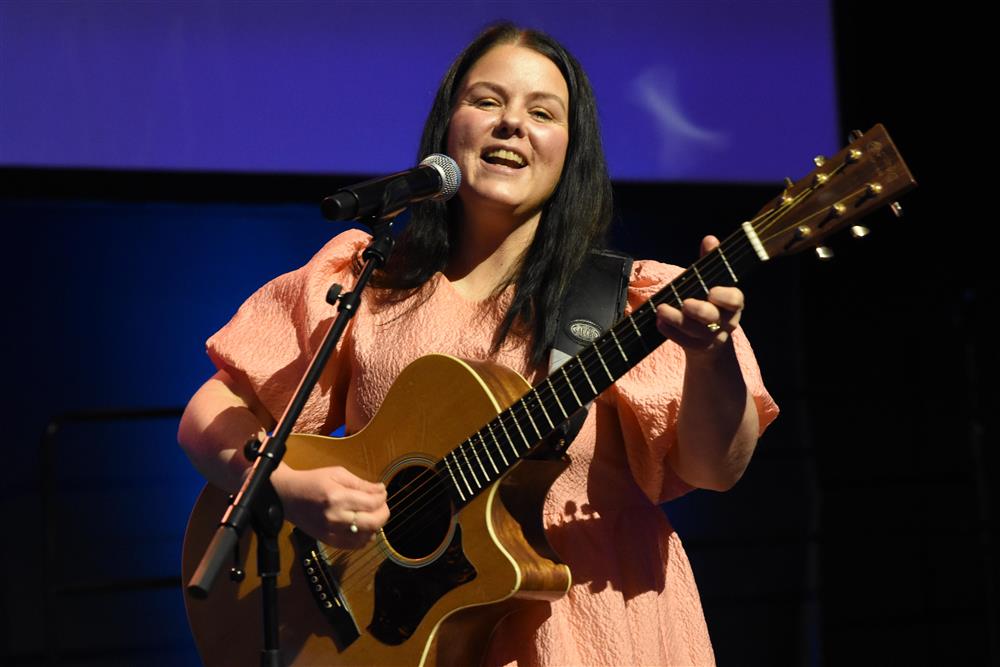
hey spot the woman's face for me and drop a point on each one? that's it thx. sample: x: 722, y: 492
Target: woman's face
x: 509, y: 130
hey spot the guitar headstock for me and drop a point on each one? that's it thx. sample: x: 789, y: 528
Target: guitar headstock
x: 867, y: 174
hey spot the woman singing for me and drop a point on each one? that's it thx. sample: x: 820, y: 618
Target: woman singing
x: 482, y: 277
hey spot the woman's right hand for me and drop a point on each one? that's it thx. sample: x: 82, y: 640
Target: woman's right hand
x: 327, y: 502
x: 324, y: 502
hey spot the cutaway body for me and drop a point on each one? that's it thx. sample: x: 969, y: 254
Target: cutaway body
x: 434, y: 584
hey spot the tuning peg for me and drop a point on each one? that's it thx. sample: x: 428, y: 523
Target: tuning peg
x: 854, y: 135
x: 820, y: 179
x: 896, y: 208
x: 789, y: 183
x: 853, y: 155
x: 873, y: 189
x: 835, y: 212
x: 859, y: 231
x: 824, y: 253
x: 819, y: 160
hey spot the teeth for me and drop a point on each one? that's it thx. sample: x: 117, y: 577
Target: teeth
x: 503, y: 154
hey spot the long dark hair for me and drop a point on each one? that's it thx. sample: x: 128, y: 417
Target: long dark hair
x: 574, y: 220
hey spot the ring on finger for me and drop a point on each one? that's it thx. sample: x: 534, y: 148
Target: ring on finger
x: 714, y: 327
x: 354, y: 522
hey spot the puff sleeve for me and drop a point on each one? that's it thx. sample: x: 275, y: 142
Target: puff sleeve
x: 648, y: 398
x: 276, y: 332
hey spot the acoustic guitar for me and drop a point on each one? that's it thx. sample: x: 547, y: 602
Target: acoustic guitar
x: 459, y: 444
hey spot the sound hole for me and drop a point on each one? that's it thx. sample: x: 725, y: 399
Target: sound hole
x: 419, y: 512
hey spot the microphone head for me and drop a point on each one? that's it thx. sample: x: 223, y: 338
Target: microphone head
x: 451, y: 175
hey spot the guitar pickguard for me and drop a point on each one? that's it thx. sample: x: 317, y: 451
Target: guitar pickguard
x: 404, y: 594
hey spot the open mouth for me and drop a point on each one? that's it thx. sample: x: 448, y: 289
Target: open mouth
x: 504, y: 157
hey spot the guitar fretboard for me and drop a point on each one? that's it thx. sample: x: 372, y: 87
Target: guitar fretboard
x: 491, y: 451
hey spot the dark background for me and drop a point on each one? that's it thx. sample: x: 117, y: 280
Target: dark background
x: 863, y: 533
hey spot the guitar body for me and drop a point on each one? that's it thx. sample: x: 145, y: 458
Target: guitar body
x: 428, y: 592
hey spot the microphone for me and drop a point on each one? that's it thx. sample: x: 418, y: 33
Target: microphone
x: 437, y: 177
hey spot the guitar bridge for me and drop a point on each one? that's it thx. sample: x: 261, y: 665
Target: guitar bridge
x: 325, y: 590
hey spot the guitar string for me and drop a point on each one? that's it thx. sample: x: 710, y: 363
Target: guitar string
x: 765, y: 220
x: 434, y: 483
x: 435, y: 480
x: 761, y: 224
x: 441, y: 486
x: 626, y: 338
x: 774, y: 215
x: 411, y: 509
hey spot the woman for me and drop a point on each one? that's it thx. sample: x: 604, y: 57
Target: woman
x: 481, y: 277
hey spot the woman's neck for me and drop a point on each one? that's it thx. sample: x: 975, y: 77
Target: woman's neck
x: 489, y: 249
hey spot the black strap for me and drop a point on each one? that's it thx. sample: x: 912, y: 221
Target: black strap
x: 596, y: 299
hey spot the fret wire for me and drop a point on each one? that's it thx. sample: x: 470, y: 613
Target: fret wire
x: 583, y: 367
x: 618, y: 343
x: 648, y: 313
x: 680, y: 301
x: 461, y: 473
x: 639, y: 333
x: 513, y: 418
x: 510, y: 440
x: 542, y: 406
x: 686, y: 285
x: 601, y: 359
x: 697, y: 273
x: 524, y: 406
x: 453, y: 479
x: 728, y: 267
x: 721, y: 265
x: 486, y: 450
x: 632, y: 347
x: 497, y: 443
x: 555, y: 395
x: 579, y: 403
x: 475, y: 454
x: 468, y: 462
x: 714, y: 265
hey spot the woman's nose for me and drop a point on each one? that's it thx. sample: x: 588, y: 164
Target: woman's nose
x: 511, y: 123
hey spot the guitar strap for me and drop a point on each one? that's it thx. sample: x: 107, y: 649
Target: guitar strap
x: 595, y: 300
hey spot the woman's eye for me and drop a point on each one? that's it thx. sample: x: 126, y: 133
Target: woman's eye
x: 487, y: 103
x: 541, y: 114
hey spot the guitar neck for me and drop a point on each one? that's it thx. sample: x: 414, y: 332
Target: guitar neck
x: 491, y: 451
x: 863, y: 176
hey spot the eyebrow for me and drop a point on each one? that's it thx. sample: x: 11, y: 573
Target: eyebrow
x: 496, y: 87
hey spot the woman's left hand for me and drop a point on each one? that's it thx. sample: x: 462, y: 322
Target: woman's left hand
x: 717, y: 425
x: 703, y: 325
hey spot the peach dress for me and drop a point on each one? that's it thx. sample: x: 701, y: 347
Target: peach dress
x: 634, y: 600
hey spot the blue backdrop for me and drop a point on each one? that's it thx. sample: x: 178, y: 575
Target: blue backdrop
x: 717, y: 90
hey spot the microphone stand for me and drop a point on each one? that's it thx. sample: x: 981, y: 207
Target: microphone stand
x: 256, y: 502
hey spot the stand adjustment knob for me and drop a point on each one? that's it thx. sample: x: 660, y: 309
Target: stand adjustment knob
x: 251, y: 450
